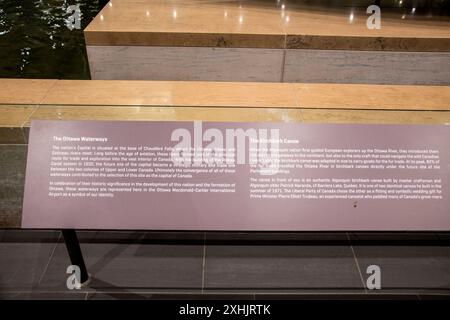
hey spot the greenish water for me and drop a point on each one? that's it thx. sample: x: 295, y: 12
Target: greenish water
x: 36, y: 43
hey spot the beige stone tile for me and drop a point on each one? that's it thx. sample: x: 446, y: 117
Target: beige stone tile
x: 179, y: 39
x: 239, y: 94
x: 332, y: 42
x: 24, y: 91
x: 14, y: 116
x: 375, y: 116
x: 355, y: 96
x: 228, y: 24
x: 368, y: 67
x: 332, y: 28
x: 97, y: 92
x: 164, y: 114
x: 233, y: 94
x: 185, y: 63
x: 190, y: 23
x: 172, y: 93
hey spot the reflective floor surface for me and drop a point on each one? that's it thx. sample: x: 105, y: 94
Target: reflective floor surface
x: 138, y: 265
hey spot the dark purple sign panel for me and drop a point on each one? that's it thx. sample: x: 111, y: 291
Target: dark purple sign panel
x: 237, y: 176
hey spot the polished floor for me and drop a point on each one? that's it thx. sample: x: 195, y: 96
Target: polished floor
x: 139, y: 265
x: 194, y: 22
x: 268, y: 41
